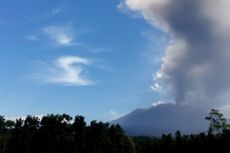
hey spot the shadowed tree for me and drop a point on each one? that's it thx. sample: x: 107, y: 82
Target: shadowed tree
x: 217, y: 122
x: 79, y: 129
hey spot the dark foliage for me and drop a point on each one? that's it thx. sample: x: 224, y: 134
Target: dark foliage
x: 63, y: 134
x: 216, y: 139
x: 184, y: 143
x: 59, y: 134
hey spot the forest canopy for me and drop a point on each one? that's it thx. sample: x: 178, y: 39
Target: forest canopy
x: 64, y: 134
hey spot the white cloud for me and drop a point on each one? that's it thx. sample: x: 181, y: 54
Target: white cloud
x: 61, y: 35
x: 158, y: 103
x: 66, y: 70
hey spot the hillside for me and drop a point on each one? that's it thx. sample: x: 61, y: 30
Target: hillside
x: 165, y: 118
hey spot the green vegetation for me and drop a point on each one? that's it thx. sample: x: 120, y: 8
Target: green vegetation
x: 63, y: 134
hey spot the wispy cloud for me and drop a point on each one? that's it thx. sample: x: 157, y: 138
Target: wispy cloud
x: 157, y: 103
x: 45, y: 15
x: 61, y: 35
x: 114, y: 114
x: 56, y: 11
x: 14, y: 118
x: 66, y: 70
x: 31, y: 38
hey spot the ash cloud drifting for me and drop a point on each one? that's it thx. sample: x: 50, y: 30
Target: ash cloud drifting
x: 195, y: 69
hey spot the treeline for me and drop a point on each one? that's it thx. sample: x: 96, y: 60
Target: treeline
x: 63, y: 134
x: 216, y: 139
x: 184, y: 143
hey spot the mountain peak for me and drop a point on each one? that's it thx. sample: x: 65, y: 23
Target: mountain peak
x: 164, y: 118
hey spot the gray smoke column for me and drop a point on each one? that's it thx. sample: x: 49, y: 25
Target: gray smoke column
x: 195, y: 69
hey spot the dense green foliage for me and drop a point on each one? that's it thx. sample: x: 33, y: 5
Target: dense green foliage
x: 62, y: 134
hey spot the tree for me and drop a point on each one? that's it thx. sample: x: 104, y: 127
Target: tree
x: 79, y: 128
x: 217, y: 122
x: 31, y: 122
x: 2, y: 123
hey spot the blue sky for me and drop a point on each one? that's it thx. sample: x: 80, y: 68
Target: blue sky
x: 77, y: 57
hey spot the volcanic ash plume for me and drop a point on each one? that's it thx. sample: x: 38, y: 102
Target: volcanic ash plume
x: 195, y: 69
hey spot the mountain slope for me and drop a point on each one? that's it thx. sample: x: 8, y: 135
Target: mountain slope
x: 162, y: 119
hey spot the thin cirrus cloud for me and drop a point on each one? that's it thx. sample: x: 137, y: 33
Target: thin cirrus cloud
x: 61, y: 35
x: 114, y: 114
x: 31, y: 38
x: 56, y: 11
x: 66, y: 70
x: 45, y: 16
